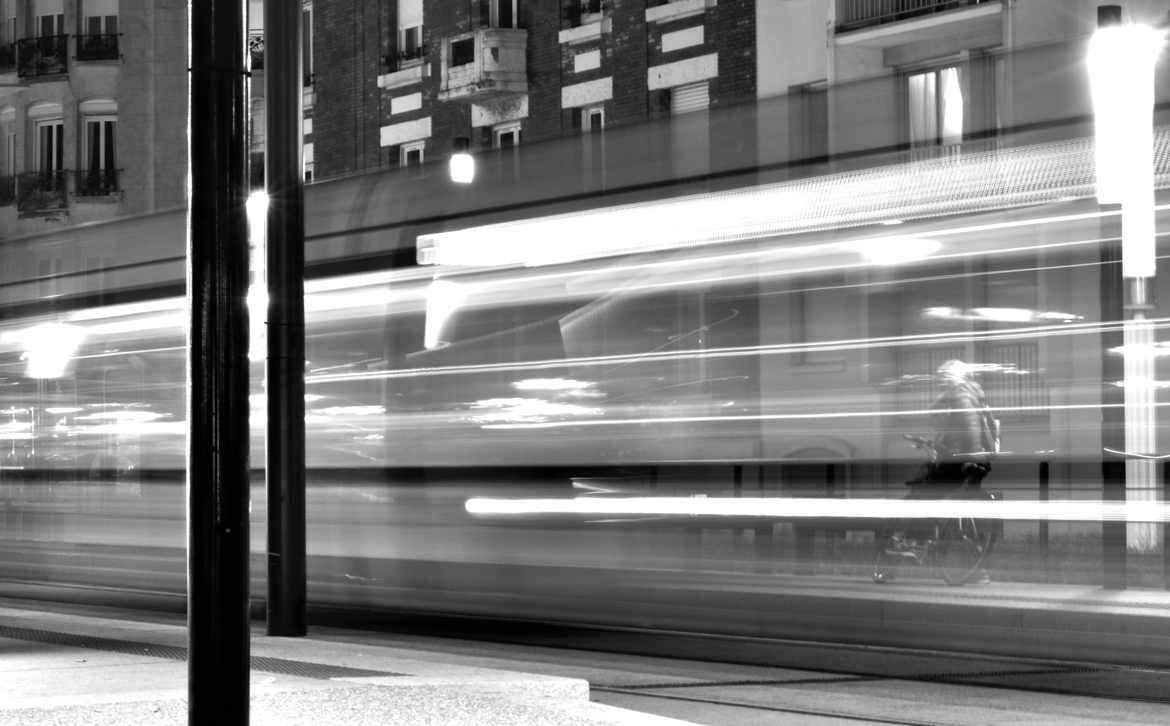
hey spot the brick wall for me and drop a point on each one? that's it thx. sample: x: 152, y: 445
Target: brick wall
x: 347, y: 49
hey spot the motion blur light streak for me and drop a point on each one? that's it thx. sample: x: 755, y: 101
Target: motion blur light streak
x: 1028, y: 333
x: 805, y: 416
x: 982, y: 181
x: 807, y: 508
x: 48, y: 347
x: 897, y: 250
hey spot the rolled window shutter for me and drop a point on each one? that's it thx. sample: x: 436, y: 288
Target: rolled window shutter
x: 691, y: 97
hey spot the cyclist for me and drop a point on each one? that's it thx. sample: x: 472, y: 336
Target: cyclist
x: 966, y: 439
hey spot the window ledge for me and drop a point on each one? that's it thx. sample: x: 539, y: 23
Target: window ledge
x: 678, y: 9
x: 404, y: 77
x: 587, y: 31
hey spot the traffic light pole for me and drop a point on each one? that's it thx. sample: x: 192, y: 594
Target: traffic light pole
x: 217, y: 413
x: 285, y: 271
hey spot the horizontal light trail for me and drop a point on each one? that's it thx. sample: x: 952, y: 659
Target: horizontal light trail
x: 826, y: 508
x: 755, y: 418
x: 1023, y: 333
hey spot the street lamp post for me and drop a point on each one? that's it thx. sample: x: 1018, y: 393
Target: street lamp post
x: 1121, y: 68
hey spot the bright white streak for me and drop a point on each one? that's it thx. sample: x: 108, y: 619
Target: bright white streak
x: 806, y: 508
x: 796, y: 416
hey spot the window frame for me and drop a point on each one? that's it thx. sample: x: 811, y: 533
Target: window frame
x: 501, y: 130
x: 58, y: 153
x: 408, y: 148
x: 935, y: 72
x: 494, y: 13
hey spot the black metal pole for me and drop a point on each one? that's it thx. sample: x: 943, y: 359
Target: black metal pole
x: 217, y: 457
x: 285, y: 269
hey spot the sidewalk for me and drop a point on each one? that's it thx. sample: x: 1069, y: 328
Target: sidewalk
x: 62, y: 668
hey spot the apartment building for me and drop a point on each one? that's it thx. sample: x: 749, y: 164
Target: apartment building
x: 397, y: 83
x: 93, y: 99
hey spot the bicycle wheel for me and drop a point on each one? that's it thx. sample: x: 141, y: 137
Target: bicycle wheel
x: 960, y: 549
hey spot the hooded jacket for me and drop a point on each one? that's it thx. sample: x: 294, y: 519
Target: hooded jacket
x: 959, y: 418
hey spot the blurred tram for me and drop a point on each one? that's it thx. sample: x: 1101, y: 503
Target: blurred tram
x: 772, y: 340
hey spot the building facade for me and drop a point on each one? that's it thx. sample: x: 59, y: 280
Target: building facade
x: 93, y: 98
x: 398, y: 82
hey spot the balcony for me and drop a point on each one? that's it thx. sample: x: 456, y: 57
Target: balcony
x: 40, y: 191
x: 586, y: 20
x: 44, y: 56
x: 7, y: 191
x: 90, y: 183
x: 664, y: 11
x: 98, y: 47
x: 584, y: 12
x: 489, y: 65
x: 404, y: 59
x: 857, y: 14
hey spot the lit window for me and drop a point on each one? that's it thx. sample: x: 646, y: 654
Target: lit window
x: 935, y: 107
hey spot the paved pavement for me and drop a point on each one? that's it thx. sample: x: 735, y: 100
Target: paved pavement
x: 61, y: 668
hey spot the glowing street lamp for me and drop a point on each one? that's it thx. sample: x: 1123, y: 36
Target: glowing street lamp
x: 462, y: 165
x: 1121, y: 75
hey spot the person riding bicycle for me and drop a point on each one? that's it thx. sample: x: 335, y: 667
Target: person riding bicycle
x: 966, y: 439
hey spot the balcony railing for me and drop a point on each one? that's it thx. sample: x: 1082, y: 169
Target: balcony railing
x: 581, y: 11
x: 44, y: 56
x: 7, y: 191
x: 102, y: 46
x: 404, y: 58
x: 95, y: 182
x: 8, y: 58
x: 40, y: 191
x: 856, y: 14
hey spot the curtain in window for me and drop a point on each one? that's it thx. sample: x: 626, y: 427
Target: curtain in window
x: 951, y: 105
x: 923, y: 108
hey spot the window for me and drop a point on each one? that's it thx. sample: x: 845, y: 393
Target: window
x: 462, y: 51
x: 99, y: 31
x: 50, y: 18
x: 810, y: 121
x: 592, y: 119
x: 50, y: 145
x: 505, y: 13
x: 307, y: 47
x: 7, y: 22
x: 935, y: 107
x: 412, y: 154
x: 506, y: 136
x: 821, y: 313
x: 410, y: 20
x: 100, y: 173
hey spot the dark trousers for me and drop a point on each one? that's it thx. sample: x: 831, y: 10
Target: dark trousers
x: 939, y: 481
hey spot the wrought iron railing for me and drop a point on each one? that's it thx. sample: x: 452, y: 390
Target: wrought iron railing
x: 577, y: 12
x: 40, y: 191
x: 43, y: 56
x: 7, y: 57
x: 7, y: 190
x: 404, y: 58
x: 95, y: 182
x: 100, y: 46
x: 856, y: 14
